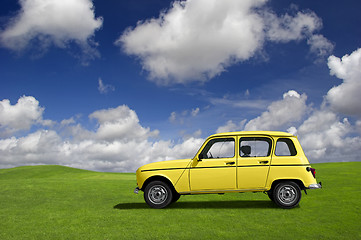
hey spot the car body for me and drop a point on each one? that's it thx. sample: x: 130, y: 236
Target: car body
x: 248, y: 161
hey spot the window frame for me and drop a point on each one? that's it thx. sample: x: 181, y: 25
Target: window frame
x: 291, y: 147
x: 254, y: 138
x: 212, y: 141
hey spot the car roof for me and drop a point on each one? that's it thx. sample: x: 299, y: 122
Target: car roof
x: 243, y: 133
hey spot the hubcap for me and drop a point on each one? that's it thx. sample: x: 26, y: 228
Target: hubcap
x: 287, y: 194
x: 157, y: 194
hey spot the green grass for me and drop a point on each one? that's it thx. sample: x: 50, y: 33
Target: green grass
x: 55, y: 202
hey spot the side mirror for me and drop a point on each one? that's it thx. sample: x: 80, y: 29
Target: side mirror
x: 200, y: 157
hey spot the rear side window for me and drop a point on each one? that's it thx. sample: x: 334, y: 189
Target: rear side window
x: 285, y: 147
x: 255, y: 147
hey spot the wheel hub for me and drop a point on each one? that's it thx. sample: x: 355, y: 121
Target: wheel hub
x: 287, y: 194
x: 157, y: 194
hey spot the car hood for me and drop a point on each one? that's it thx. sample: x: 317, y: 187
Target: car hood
x: 181, y: 163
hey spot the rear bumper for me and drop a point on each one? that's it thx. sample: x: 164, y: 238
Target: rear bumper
x: 315, y: 186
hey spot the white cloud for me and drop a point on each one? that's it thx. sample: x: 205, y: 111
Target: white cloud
x: 186, y: 135
x: 320, y: 45
x: 236, y: 102
x: 173, y: 117
x: 119, y: 143
x: 346, y: 97
x: 41, y: 147
x: 231, y: 126
x: 67, y: 121
x: 104, y: 88
x: 184, y: 116
x: 52, y: 22
x: 280, y: 114
x: 195, y: 39
x: 288, y: 28
x: 325, y: 138
x: 358, y: 126
x: 195, y: 112
x: 120, y: 123
x: 291, y: 93
x: 292, y: 130
x: 20, y: 116
x: 198, y: 40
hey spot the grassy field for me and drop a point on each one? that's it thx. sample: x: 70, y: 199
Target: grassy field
x: 55, y: 202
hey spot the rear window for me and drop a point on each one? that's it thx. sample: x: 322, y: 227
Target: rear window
x: 285, y: 147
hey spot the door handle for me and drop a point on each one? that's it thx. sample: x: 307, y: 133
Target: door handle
x: 230, y: 163
x: 263, y: 162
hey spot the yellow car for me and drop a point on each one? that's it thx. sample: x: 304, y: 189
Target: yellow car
x: 255, y: 161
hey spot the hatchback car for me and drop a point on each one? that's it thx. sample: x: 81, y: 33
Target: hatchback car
x: 248, y: 161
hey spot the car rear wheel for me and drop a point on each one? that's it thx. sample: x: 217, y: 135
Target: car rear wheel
x: 158, y: 194
x: 287, y: 194
x: 270, y: 194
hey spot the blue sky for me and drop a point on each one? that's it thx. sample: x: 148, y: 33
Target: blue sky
x: 84, y: 76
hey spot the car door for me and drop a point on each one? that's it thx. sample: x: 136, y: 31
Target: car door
x: 215, y: 167
x: 253, y: 162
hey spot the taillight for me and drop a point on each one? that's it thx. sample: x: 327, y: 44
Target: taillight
x: 313, y: 171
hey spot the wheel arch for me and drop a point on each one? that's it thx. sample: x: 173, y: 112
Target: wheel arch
x: 158, y: 178
x: 297, y: 181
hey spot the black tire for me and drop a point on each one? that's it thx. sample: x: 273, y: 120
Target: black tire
x: 287, y: 194
x: 270, y: 194
x: 158, y: 194
x: 176, y: 196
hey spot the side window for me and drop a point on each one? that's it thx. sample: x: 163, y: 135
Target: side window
x: 255, y: 147
x: 219, y: 148
x: 285, y: 147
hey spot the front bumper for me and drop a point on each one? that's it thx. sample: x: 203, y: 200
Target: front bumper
x: 315, y: 186
x: 136, y: 190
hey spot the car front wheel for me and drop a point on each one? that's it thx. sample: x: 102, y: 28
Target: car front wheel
x: 287, y: 194
x: 176, y: 196
x: 270, y: 194
x: 158, y: 194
